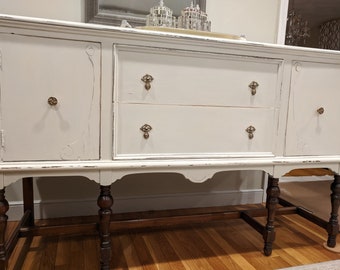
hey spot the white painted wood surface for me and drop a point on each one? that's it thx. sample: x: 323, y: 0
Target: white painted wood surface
x: 314, y: 86
x: 35, y: 69
x: 193, y: 78
x: 193, y: 131
x: 199, y: 104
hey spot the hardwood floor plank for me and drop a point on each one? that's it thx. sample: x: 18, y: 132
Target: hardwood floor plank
x: 63, y: 254
x: 49, y: 252
x: 249, y: 250
x: 77, y: 258
x: 279, y: 257
x: 91, y: 252
x: 315, y: 232
x: 19, y: 254
x: 162, y: 252
x: 222, y: 245
x: 129, y: 252
x: 187, y: 250
x: 309, y: 246
x: 34, y: 254
x: 118, y: 261
x: 219, y: 252
x: 199, y: 247
x: 229, y: 249
x: 143, y: 252
x: 292, y: 244
x: 256, y: 257
x: 71, y: 253
x: 237, y: 228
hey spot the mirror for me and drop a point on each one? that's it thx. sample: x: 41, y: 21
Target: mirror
x: 112, y: 12
x: 322, y: 18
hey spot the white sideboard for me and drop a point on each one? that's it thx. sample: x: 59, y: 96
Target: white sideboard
x: 104, y: 102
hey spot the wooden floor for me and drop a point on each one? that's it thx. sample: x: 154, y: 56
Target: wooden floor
x: 230, y: 244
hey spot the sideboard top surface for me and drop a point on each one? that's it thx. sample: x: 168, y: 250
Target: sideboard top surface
x: 168, y: 39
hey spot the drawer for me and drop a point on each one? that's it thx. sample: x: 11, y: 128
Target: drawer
x: 190, y: 131
x: 313, y: 118
x: 50, y: 91
x: 192, y: 78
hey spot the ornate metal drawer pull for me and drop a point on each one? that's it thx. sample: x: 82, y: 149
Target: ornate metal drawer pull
x: 146, y: 129
x: 321, y: 110
x: 53, y: 101
x: 253, y: 86
x: 250, y: 130
x: 147, y: 79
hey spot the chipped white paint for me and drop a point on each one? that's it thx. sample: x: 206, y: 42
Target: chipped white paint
x: 39, y: 68
x: 2, y: 137
x: 199, y: 104
x: 0, y: 60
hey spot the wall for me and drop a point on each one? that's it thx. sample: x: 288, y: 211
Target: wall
x: 256, y: 20
x: 60, y: 10
x: 75, y: 196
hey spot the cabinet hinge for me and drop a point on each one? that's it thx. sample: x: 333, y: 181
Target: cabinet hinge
x: 2, y: 138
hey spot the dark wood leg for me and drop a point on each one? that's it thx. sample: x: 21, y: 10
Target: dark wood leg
x: 3, y: 224
x: 333, y: 224
x: 27, y: 188
x: 105, y: 201
x: 273, y: 193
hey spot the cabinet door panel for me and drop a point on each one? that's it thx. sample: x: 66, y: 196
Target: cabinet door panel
x: 314, y: 110
x: 189, y: 131
x: 33, y: 70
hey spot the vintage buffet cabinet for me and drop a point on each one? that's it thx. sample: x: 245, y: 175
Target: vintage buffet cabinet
x: 104, y: 102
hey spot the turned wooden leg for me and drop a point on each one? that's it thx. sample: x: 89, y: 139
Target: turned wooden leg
x: 105, y: 201
x: 273, y: 192
x: 3, y: 224
x: 333, y: 224
x: 27, y: 188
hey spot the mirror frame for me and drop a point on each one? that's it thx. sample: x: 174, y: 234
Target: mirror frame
x: 94, y: 14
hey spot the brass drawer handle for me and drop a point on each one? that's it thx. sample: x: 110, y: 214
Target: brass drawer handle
x: 250, y: 130
x: 321, y: 110
x: 147, y: 79
x: 253, y: 86
x: 53, y: 101
x: 146, y: 129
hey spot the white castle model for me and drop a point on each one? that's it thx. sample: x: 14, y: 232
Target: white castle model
x: 160, y: 16
x: 194, y: 18
x: 191, y: 18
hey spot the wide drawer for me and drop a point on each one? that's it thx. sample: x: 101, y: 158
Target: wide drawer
x: 189, y: 131
x: 192, y: 78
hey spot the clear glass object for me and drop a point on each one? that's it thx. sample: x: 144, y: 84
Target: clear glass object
x: 194, y: 18
x: 161, y: 16
x: 191, y: 17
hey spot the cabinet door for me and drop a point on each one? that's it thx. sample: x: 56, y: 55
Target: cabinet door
x: 50, y: 91
x: 313, y: 120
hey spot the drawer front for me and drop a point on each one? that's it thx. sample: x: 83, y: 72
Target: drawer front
x: 181, y: 77
x: 50, y: 93
x: 189, y: 131
x: 313, y: 118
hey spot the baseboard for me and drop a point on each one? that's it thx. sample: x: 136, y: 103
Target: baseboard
x: 67, y: 208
